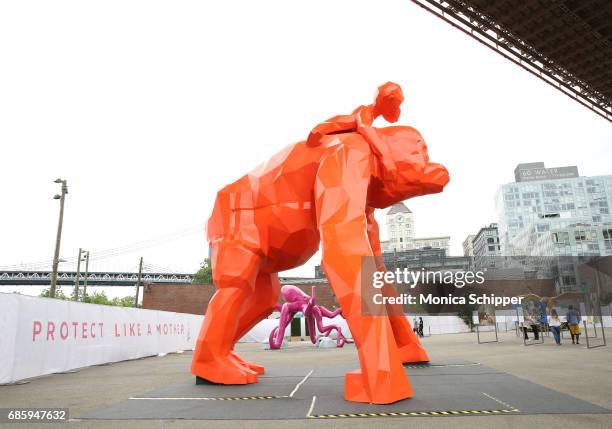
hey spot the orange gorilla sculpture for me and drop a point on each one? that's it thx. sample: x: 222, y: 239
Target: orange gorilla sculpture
x: 322, y: 191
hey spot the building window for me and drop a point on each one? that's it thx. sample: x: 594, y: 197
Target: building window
x: 561, y: 237
x: 569, y: 280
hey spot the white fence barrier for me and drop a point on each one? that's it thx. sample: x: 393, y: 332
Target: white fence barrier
x: 606, y: 313
x: 441, y: 324
x: 506, y: 319
x: 261, y: 332
x: 42, y: 336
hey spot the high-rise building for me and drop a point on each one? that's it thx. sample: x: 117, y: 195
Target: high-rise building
x: 468, y: 245
x: 401, y: 235
x: 554, y: 211
x: 486, y: 246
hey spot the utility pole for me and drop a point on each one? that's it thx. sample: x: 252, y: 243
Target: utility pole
x: 138, y: 282
x: 77, y: 280
x: 86, y: 274
x: 58, y: 239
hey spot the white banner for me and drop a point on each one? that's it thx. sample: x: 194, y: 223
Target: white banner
x: 261, y: 332
x: 42, y: 336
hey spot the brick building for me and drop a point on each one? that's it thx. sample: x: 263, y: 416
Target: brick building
x: 194, y: 299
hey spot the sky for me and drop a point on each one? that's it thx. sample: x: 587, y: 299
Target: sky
x: 148, y: 108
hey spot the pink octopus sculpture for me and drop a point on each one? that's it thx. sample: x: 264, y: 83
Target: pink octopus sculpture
x: 295, y: 301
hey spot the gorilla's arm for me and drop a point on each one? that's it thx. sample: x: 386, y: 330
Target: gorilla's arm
x: 361, y: 117
x: 337, y: 124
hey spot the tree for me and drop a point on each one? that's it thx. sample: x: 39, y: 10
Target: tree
x: 204, y: 274
x: 97, y: 298
x: 94, y: 298
x: 126, y: 301
x: 465, y: 313
x: 102, y: 299
x: 74, y: 292
x: 59, y: 294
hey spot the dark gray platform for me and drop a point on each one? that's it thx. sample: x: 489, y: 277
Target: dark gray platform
x: 453, y: 388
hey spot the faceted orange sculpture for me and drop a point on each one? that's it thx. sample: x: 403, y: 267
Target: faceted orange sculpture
x: 320, y: 191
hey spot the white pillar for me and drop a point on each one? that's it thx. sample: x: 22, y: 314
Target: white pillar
x: 302, y: 328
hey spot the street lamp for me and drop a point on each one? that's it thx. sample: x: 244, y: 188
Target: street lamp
x: 86, y: 253
x: 77, y: 280
x: 138, y: 283
x: 58, y: 239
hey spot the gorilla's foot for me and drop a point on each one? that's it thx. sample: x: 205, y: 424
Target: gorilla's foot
x: 224, y: 370
x: 255, y: 367
x: 413, y: 353
x: 386, y: 390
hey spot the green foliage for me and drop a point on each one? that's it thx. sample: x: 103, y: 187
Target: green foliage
x: 102, y: 299
x: 94, y: 298
x: 465, y: 313
x: 59, y: 293
x: 126, y: 301
x: 73, y: 294
x: 97, y: 298
x: 204, y: 274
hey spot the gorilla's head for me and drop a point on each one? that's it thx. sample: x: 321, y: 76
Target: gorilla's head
x: 414, y: 174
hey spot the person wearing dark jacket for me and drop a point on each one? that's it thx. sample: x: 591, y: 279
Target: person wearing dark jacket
x: 421, y: 327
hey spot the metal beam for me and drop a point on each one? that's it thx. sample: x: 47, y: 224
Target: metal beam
x: 519, y: 53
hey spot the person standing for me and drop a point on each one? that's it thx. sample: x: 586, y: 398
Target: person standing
x: 415, y: 325
x: 421, y: 327
x: 573, y: 320
x: 555, y: 326
x: 526, y: 323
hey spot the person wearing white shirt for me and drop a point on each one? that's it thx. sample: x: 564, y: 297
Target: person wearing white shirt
x: 555, y: 326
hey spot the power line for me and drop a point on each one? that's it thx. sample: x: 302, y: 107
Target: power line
x: 116, y: 251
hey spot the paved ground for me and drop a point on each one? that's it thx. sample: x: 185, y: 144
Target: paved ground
x: 559, y: 372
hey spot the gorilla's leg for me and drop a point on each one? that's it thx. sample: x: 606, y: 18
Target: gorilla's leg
x: 381, y: 378
x: 257, y: 307
x: 408, y: 344
x: 235, y: 271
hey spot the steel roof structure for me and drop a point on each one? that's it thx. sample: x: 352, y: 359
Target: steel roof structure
x: 566, y: 43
